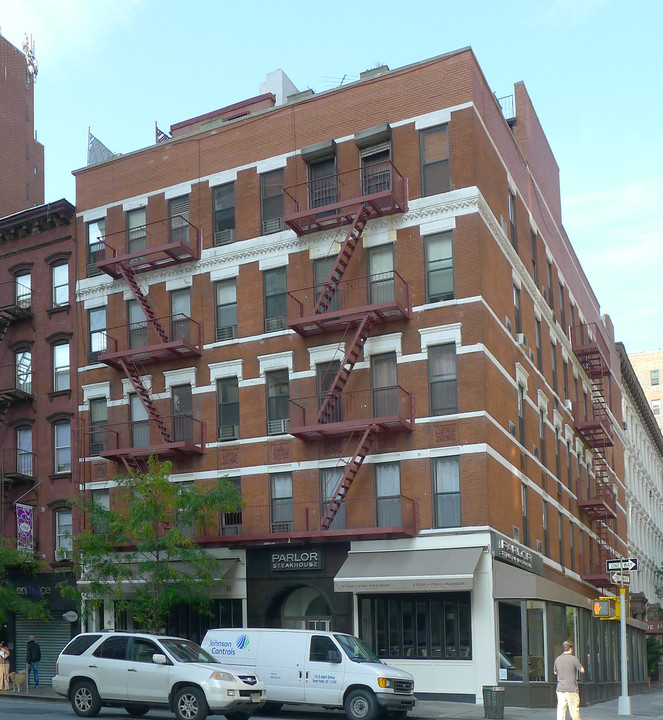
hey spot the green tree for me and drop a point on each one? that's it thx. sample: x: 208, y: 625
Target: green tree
x: 654, y: 653
x: 13, y: 562
x: 138, y: 554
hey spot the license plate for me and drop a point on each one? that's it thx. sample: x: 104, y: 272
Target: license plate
x: 255, y: 697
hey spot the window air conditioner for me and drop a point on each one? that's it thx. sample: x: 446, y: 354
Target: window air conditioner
x: 224, y: 237
x: 521, y: 339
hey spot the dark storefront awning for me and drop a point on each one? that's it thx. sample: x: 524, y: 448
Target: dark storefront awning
x: 408, y: 571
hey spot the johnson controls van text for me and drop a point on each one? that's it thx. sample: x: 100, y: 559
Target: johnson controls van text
x: 309, y: 667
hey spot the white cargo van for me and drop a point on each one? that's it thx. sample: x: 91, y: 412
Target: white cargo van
x: 309, y: 667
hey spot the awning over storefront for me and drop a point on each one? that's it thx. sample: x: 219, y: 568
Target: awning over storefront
x: 408, y: 571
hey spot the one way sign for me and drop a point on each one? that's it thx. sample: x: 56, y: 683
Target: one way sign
x: 621, y: 565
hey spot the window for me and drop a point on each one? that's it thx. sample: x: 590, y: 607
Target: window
x: 137, y: 325
x: 522, y: 394
x: 376, y: 168
x: 560, y: 532
x: 180, y: 315
x: 551, y: 298
x: 226, y: 310
x: 562, y: 308
x: 178, y: 219
x: 542, y: 435
x: 227, y: 393
x: 276, y: 299
x: 280, y: 486
x: 446, y: 492
x: 23, y: 359
x: 435, y: 161
x: 654, y: 377
x: 656, y: 407
x: 421, y: 625
x: 535, y: 269
x: 224, y: 214
x: 565, y: 378
x: 61, y: 367
x: 523, y: 508
x: 384, y: 383
x: 24, y: 456
x: 322, y: 182
x: 142, y: 650
x: 325, y: 374
x: 97, y: 329
x: 98, y: 422
x: 62, y: 435
x: 278, y: 402
x: 63, y: 538
x: 512, y: 220
x: 182, y: 404
x: 96, y: 246
x: 516, y: 309
x: 271, y: 186
x: 388, y: 494
x: 231, y: 522
x: 139, y: 421
x: 539, y: 354
x: 572, y: 547
x: 553, y: 356
x: 442, y: 379
x: 546, y: 546
x: 330, y: 479
x: 115, y: 648
x: 24, y: 290
x: 136, y: 230
x: 60, y: 285
x: 439, y: 267
x: 381, y: 272
x: 321, y: 271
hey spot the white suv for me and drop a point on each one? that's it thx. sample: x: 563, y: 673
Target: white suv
x: 139, y: 671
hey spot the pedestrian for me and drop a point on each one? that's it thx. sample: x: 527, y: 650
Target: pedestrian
x: 32, y: 658
x: 566, y: 667
x: 4, y: 666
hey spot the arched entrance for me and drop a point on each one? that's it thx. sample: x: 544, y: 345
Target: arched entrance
x: 305, y: 608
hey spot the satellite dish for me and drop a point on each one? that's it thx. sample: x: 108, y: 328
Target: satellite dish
x: 70, y: 616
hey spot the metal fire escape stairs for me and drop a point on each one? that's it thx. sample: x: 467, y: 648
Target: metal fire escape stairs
x: 8, y: 315
x: 598, y: 433
x: 363, y: 329
x: 132, y: 369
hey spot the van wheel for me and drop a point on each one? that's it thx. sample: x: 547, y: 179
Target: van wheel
x: 360, y: 705
x: 190, y: 704
x: 85, y: 699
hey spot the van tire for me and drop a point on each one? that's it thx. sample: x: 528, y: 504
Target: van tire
x: 85, y: 699
x: 190, y: 704
x: 360, y: 705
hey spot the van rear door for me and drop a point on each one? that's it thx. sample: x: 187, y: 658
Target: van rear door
x: 325, y: 671
x: 280, y: 664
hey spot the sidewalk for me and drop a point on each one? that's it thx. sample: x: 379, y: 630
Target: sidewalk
x: 646, y: 705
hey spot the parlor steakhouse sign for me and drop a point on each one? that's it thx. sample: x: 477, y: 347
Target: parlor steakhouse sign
x: 297, y: 560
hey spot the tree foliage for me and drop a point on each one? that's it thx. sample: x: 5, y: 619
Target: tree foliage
x: 138, y: 554
x: 13, y: 563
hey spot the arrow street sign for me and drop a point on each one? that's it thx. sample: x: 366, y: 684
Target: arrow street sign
x: 618, y: 565
x: 621, y: 579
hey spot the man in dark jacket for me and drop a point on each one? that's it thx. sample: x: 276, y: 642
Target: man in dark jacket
x: 32, y: 658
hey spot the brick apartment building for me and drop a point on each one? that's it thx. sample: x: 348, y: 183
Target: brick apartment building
x: 21, y: 156
x: 362, y: 307
x: 648, y: 368
x: 37, y: 408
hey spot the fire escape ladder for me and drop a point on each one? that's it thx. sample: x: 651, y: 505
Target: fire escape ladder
x: 5, y: 322
x: 4, y: 407
x: 131, y: 370
x: 135, y: 464
x: 342, y: 259
x: 130, y: 278
x: 352, y: 353
x: 349, y: 474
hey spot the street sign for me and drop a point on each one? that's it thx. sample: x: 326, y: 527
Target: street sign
x: 621, y: 578
x: 619, y: 565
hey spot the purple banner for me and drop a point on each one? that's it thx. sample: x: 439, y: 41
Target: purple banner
x: 25, y: 528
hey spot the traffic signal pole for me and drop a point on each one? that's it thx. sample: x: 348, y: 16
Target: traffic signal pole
x: 624, y: 706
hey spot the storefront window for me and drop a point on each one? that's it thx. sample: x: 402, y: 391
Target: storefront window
x: 511, y: 640
x: 418, y: 626
x: 536, y: 646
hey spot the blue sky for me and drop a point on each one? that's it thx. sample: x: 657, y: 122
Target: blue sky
x: 592, y: 67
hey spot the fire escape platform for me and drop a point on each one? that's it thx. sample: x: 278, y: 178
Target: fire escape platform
x: 386, y: 295
x: 155, y: 258
x: 598, y: 508
x: 152, y: 353
x: 381, y: 191
x: 162, y: 450
x: 597, y: 433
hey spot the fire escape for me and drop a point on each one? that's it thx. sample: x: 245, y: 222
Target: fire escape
x: 597, y: 499
x: 130, y: 348
x: 352, y: 306
x: 15, y: 378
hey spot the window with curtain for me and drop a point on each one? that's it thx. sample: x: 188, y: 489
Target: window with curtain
x: 98, y: 425
x: 381, y: 272
x: 388, y: 494
x: 446, y: 492
x: 330, y: 478
x: 60, y: 285
x: 226, y: 309
x: 384, y: 383
x: 227, y: 393
x: 136, y: 230
x: 271, y: 186
x: 435, y: 161
x: 280, y: 486
x: 278, y: 401
x: 61, y: 367
x: 63, y: 527
x: 97, y: 333
x: 442, y: 379
x: 180, y: 315
x: 62, y: 444
x: 325, y: 374
x: 224, y: 214
x: 321, y: 270
x: 439, y: 267
x: 137, y: 330
x: 276, y: 299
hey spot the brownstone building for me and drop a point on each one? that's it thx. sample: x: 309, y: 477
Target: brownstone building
x: 21, y: 156
x: 37, y: 409
x: 362, y: 307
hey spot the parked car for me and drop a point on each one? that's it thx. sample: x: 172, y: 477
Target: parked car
x: 315, y: 667
x: 140, y: 671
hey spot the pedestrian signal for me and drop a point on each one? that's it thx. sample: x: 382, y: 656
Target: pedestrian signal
x: 606, y: 608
